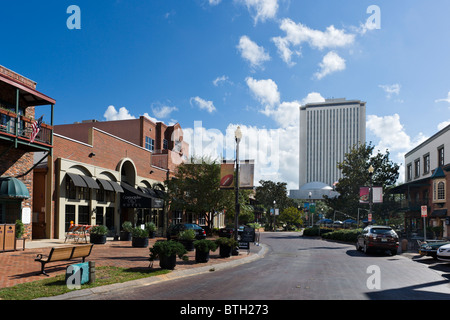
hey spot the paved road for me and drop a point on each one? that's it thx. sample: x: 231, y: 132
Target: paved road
x: 297, y: 268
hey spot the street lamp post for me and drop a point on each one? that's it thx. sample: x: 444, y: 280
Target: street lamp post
x: 274, y: 215
x: 371, y: 169
x: 238, y: 136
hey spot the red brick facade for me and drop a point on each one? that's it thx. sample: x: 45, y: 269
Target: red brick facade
x: 97, y: 149
x: 16, y: 162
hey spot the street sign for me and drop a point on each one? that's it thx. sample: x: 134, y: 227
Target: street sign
x: 424, y: 211
x: 370, y: 217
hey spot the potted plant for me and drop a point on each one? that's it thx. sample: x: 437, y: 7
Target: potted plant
x: 225, y: 246
x: 202, y: 249
x: 151, y: 228
x: 125, y: 234
x: 98, y: 234
x: 139, y: 238
x: 167, y: 252
x: 187, y: 237
x: 19, y: 229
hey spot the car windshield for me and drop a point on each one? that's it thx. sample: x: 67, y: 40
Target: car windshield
x: 191, y: 226
x: 381, y: 230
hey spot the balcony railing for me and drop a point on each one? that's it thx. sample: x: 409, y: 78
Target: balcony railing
x: 24, y: 128
x: 413, y: 205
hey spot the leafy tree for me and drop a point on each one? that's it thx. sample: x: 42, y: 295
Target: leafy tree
x: 195, y: 188
x: 270, y: 191
x: 355, y: 171
x: 291, y: 216
x: 246, y: 213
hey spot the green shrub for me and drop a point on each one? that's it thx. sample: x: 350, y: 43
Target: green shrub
x: 139, y: 233
x: 345, y: 235
x: 20, y: 229
x: 314, y: 231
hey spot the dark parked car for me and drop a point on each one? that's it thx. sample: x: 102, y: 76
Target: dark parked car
x: 174, y: 230
x: 228, y: 231
x: 377, y: 238
x: 430, y: 248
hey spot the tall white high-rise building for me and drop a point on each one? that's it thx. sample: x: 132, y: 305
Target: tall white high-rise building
x: 328, y: 130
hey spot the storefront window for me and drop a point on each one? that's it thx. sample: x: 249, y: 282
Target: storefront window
x: 99, y: 216
x: 109, y: 219
x: 70, y: 216
x: 83, y: 215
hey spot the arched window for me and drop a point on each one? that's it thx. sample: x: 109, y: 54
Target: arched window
x: 441, y: 190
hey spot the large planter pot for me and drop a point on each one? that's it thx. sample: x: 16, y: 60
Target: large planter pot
x: 188, y: 244
x: 152, y: 234
x: 224, y: 251
x: 125, y: 236
x: 97, y: 238
x: 139, y: 242
x: 168, y: 262
x: 201, y: 256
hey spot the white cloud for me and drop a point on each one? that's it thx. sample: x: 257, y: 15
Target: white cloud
x: 112, y: 114
x: 273, y: 160
x: 393, y: 137
x: 313, y: 97
x: 150, y: 117
x: 163, y: 111
x: 214, y: 2
x: 253, y: 53
x: 261, y: 9
x: 276, y: 151
x: 332, y: 62
x: 220, y: 80
x: 444, y: 100
x: 443, y: 124
x: 391, y: 89
x: 265, y: 91
x: 297, y: 34
x: 203, y: 104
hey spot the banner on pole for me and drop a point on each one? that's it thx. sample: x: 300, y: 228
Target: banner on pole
x: 246, y: 174
x: 227, y: 176
x: 364, y: 194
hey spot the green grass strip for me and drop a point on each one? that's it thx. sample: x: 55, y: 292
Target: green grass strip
x: 56, y: 285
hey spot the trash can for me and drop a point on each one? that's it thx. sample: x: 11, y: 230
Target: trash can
x: 404, y: 245
x: 9, y: 242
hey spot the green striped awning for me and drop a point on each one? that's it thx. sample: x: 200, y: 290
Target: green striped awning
x: 12, y: 188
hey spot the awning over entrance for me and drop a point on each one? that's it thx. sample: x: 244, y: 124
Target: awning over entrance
x: 83, y: 181
x: 12, y: 188
x: 110, y: 185
x: 134, y: 198
x: 440, y: 213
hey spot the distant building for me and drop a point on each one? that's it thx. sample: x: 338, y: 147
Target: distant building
x: 328, y: 131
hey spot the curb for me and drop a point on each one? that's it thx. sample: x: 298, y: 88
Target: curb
x: 84, y: 294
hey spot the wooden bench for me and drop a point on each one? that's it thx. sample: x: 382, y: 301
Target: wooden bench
x: 63, y: 254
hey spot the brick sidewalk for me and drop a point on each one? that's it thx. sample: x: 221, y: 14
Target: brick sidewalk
x: 19, y: 266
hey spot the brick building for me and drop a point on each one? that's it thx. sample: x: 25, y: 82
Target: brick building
x: 20, y: 106
x: 109, y: 172
x: 427, y: 175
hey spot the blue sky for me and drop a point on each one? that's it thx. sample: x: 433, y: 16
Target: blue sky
x: 214, y: 64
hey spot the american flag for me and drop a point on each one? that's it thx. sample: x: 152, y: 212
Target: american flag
x: 36, y: 126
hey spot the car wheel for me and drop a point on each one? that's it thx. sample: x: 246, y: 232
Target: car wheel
x: 358, y: 248
x: 394, y: 252
x: 366, y: 249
